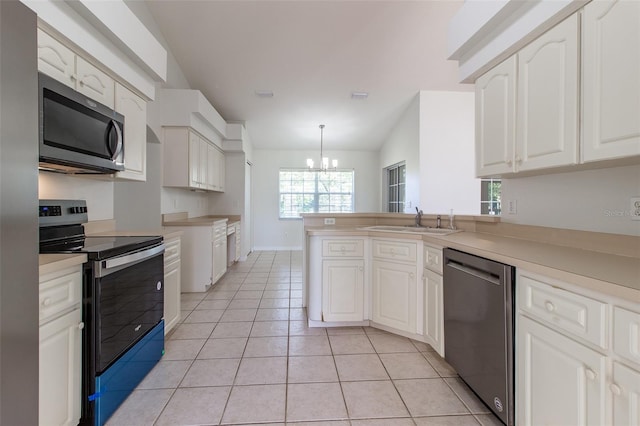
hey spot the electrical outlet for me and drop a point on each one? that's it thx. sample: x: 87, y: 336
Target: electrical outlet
x: 512, y: 206
x: 329, y: 220
x: 635, y: 208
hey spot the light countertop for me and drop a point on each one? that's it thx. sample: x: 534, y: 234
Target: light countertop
x: 608, y: 273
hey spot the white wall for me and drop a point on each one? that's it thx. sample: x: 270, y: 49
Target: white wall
x: 447, y: 160
x: 591, y: 200
x: 403, y: 145
x: 272, y: 233
x: 98, y: 193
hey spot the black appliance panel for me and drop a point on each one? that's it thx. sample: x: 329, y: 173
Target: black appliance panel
x: 128, y: 303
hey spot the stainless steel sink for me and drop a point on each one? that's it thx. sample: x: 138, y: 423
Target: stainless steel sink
x: 412, y: 229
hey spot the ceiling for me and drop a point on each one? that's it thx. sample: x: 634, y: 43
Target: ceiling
x: 312, y: 55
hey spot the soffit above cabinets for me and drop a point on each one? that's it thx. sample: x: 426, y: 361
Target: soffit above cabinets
x: 483, y: 34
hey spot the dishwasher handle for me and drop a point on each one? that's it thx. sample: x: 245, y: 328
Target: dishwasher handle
x: 469, y: 270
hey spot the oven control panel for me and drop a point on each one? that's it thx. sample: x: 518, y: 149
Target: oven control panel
x: 62, y: 212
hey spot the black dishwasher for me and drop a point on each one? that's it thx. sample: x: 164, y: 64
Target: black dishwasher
x: 478, y: 327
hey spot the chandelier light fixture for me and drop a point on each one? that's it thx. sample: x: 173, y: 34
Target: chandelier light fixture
x: 324, y: 161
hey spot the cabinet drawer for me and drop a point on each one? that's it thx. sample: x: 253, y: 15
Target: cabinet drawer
x: 171, y: 251
x: 59, y: 294
x: 581, y: 316
x: 395, y: 250
x: 433, y: 259
x: 626, y: 334
x: 342, y: 248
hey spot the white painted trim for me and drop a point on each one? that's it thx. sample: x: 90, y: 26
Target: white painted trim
x: 278, y: 248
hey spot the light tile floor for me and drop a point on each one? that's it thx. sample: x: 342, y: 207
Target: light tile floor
x: 243, y: 354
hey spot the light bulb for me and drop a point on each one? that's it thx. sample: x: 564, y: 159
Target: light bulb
x: 334, y: 162
x: 325, y: 162
x: 310, y: 163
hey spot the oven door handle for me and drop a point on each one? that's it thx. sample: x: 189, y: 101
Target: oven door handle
x: 133, y: 258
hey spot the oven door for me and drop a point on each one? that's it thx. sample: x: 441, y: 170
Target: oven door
x: 128, y: 302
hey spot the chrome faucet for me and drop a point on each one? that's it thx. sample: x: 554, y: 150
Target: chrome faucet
x: 438, y: 222
x: 418, y: 217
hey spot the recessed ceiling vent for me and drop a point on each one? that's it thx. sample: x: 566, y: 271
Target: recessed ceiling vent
x: 359, y: 95
x: 264, y: 93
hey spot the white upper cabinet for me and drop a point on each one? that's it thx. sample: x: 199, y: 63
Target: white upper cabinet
x: 134, y: 109
x: 94, y: 83
x: 56, y: 60
x: 527, y: 107
x: 547, y: 111
x: 611, y: 80
x: 495, y: 119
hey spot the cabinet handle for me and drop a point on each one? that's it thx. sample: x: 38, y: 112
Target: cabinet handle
x: 615, y: 389
x: 509, y: 162
x: 81, y: 326
x: 518, y: 159
x: 46, y: 301
x: 360, y: 268
x: 342, y: 249
x: 549, y: 306
x: 591, y: 375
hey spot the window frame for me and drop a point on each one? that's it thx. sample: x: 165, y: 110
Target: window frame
x: 391, y: 187
x: 491, y: 200
x: 316, y: 193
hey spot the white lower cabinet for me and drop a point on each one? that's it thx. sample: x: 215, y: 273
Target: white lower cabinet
x: 219, y: 250
x: 395, y: 290
x: 576, y: 355
x: 561, y: 381
x: 60, y: 348
x: 343, y: 290
x: 625, y: 387
x: 433, y: 314
x: 172, y: 287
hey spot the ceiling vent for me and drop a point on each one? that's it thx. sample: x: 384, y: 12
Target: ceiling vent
x: 264, y: 93
x: 359, y: 95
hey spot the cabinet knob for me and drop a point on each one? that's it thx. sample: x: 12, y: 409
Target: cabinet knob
x: 411, y: 275
x: 81, y: 326
x: 591, y: 375
x: 46, y: 301
x: 509, y: 162
x: 342, y: 249
x: 549, y: 306
x: 615, y: 389
x: 518, y: 159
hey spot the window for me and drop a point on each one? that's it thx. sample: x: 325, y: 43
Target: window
x: 305, y: 191
x: 490, y: 196
x: 396, y: 176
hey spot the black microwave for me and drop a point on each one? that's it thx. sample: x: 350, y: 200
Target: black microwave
x: 77, y: 134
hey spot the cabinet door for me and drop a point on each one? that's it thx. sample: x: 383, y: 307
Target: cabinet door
x: 625, y: 388
x: 55, y: 59
x: 203, y: 163
x: 94, y: 83
x: 611, y: 80
x: 433, y: 317
x: 60, y: 365
x: 394, y: 295
x: 495, y: 119
x: 212, y: 172
x: 547, y: 117
x: 171, y: 295
x: 134, y: 109
x: 558, y: 381
x: 343, y: 290
x: 222, y: 170
x: 194, y: 160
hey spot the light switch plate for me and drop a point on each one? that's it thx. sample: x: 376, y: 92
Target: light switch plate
x: 329, y: 220
x: 635, y: 208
